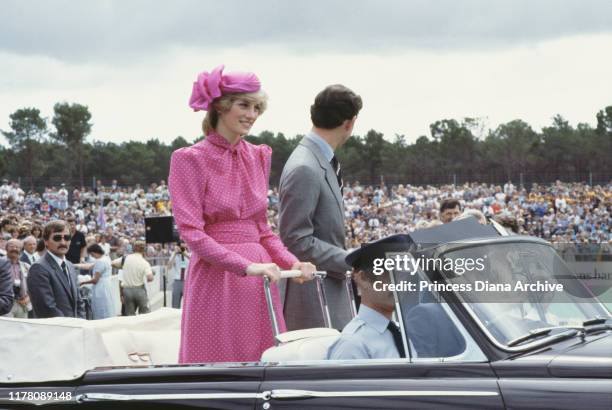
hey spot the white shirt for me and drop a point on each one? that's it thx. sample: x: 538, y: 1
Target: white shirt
x: 59, y: 262
x: 180, y: 263
x: 135, y: 270
x: 33, y: 257
x: 106, y: 248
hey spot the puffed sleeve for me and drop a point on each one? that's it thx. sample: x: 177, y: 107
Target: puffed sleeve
x: 186, y: 184
x: 268, y: 239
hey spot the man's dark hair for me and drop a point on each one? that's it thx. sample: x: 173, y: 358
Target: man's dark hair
x: 334, y: 105
x: 53, y: 227
x: 95, y: 248
x: 449, y: 203
x: 40, y: 245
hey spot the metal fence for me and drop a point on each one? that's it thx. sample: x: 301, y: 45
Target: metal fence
x: 435, y: 179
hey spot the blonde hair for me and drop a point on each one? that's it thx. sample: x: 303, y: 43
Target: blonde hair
x: 224, y: 103
x: 140, y: 246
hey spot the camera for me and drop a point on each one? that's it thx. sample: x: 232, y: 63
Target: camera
x: 17, y: 291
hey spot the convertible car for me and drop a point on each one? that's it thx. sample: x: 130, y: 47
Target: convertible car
x: 542, y: 349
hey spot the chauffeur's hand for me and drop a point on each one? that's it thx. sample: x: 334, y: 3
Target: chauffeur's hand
x: 270, y: 270
x: 308, y: 270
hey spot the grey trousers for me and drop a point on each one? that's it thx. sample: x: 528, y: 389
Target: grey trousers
x: 135, y: 298
x: 177, y: 293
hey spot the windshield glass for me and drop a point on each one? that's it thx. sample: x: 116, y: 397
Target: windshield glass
x: 519, y: 287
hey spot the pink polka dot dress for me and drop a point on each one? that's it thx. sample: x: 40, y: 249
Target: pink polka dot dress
x: 219, y: 202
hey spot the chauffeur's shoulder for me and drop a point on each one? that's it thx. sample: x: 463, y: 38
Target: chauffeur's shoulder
x: 353, y: 326
x: 351, y: 344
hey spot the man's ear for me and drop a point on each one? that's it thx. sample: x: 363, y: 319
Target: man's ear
x: 359, y: 276
x: 348, y: 125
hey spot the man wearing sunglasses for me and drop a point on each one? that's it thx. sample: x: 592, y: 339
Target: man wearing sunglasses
x: 52, y: 280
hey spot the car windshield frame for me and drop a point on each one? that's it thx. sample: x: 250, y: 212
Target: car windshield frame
x: 441, y: 250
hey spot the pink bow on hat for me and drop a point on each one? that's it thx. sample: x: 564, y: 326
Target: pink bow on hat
x: 214, y: 85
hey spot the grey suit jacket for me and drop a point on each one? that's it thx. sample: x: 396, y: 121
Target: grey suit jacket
x: 50, y: 292
x: 311, y: 223
x: 7, y: 296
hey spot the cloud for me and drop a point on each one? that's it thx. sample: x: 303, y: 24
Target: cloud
x: 402, y: 93
x: 107, y: 30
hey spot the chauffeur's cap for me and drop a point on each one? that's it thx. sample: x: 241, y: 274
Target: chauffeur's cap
x: 363, y: 258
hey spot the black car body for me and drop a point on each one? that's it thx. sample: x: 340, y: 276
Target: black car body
x: 567, y: 366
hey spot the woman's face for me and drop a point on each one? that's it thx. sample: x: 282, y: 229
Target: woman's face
x: 239, y: 119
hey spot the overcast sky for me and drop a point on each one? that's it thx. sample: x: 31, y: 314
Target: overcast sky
x: 413, y: 62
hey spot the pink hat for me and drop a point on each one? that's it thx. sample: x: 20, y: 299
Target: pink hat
x: 214, y: 85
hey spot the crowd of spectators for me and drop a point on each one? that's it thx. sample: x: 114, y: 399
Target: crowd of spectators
x: 111, y: 219
x: 110, y: 216
x: 558, y: 212
x: 113, y: 216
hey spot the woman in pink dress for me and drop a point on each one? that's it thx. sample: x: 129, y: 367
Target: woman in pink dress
x: 218, y: 189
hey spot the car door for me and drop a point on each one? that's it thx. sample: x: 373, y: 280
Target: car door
x: 427, y: 384
x: 445, y: 369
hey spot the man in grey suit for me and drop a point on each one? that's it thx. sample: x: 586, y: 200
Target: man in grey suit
x: 312, y: 210
x: 52, y: 280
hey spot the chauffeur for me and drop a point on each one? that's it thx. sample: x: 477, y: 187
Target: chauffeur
x: 371, y: 334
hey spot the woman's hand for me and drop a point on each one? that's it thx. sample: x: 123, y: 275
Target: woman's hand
x: 308, y: 270
x: 270, y: 270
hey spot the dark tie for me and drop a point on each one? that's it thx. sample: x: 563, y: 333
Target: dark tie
x: 66, y: 273
x: 397, y: 338
x: 338, y: 170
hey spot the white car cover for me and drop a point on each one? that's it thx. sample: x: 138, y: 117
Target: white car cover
x: 302, y: 345
x: 39, y: 350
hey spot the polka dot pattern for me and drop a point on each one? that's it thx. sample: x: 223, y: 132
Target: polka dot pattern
x: 219, y: 197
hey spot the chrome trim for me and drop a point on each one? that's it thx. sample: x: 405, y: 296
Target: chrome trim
x: 348, y: 283
x: 268, y: 293
x: 39, y: 403
x: 500, y: 229
x: 400, y: 318
x: 562, y: 335
x: 298, y: 394
x: 323, y: 300
x: 454, y: 246
x: 318, y: 275
x: 94, y: 397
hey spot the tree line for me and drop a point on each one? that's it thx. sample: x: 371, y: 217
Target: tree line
x: 456, y: 151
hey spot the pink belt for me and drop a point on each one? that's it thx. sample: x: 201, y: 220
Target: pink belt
x: 239, y: 231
